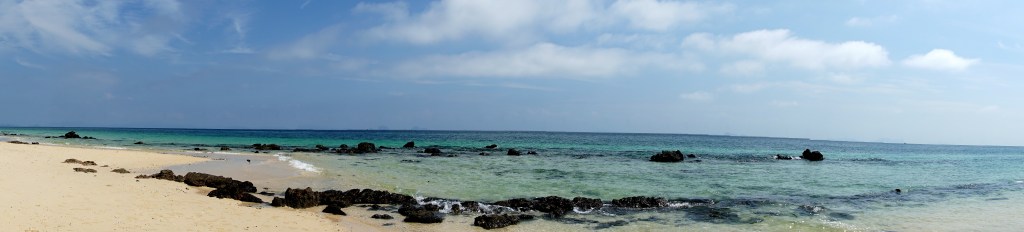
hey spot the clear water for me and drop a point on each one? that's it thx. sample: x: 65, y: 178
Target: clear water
x: 854, y: 183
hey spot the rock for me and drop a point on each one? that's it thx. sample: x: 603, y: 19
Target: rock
x: 265, y: 193
x: 120, y: 170
x: 343, y: 146
x: 200, y: 149
x: 410, y: 144
x: 35, y: 143
x: 492, y: 146
x: 87, y: 137
x: 432, y: 150
x: 484, y: 154
x: 668, y: 156
x: 274, y: 147
x: 783, y: 157
x: 212, y: 181
x: 299, y: 149
x: 72, y: 161
x: 164, y: 175
x: 812, y: 209
x: 531, y: 153
x: 366, y: 147
x: 812, y: 155
x: 691, y: 156
x: 382, y: 216
x: 556, y: 206
x: 85, y: 170
x: 88, y: 163
x: 369, y: 196
x: 17, y: 142
x: 336, y: 198
x: 513, y: 152
x: 333, y: 209
x: 322, y: 147
x: 520, y: 204
x: 421, y: 214
x: 301, y: 198
x: 277, y: 202
x: 223, y: 148
x: 71, y: 135
x: 640, y: 202
x: 713, y: 215
x: 234, y: 192
x: 494, y: 221
x: 587, y: 204
x: 139, y: 143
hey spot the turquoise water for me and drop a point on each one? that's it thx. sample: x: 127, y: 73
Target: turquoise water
x: 856, y: 179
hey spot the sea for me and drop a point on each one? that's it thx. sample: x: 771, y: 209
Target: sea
x: 941, y: 187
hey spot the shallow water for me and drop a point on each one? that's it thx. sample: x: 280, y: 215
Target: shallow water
x: 852, y: 188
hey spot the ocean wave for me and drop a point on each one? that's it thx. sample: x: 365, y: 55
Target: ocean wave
x: 297, y: 164
x: 112, y: 148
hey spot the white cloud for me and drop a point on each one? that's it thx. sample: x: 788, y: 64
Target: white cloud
x: 939, y: 59
x: 780, y: 46
x: 699, y: 96
x: 524, y: 20
x: 311, y: 46
x: 28, y: 64
x: 545, y: 60
x: 90, y: 28
x: 743, y: 68
x: 867, y: 22
x: 749, y: 88
x: 662, y: 15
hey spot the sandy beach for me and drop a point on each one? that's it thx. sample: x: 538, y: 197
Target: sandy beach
x: 44, y: 194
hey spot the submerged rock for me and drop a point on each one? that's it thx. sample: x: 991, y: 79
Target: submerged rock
x: 556, y: 206
x: 783, y: 157
x: 365, y: 147
x: 587, y: 204
x: 223, y: 148
x: 521, y: 204
x: 713, y: 215
x: 432, y: 150
x: 495, y: 221
x: 139, y: 143
x: 421, y: 213
x: 668, y: 156
x: 321, y: 147
x: 640, y: 202
x: 410, y: 144
x: 514, y: 152
x: 492, y: 146
x: 812, y: 155
x: 259, y: 146
x: 301, y: 198
x: 71, y: 135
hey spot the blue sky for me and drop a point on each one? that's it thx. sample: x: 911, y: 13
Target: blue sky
x: 897, y: 71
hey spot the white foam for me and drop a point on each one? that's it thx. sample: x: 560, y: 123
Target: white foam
x: 113, y: 148
x: 297, y: 164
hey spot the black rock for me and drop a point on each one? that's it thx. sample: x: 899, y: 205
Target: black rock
x: 812, y: 155
x: 365, y: 147
x: 234, y: 193
x: 432, y: 150
x: 301, y: 198
x: 783, y: 157
x: 199, y: 149
x: 120, y: 170
x: 266, y: 146
x: 421, y: 213
x: 72, y: 161
x: 585, y: 204
x: 299, y: 149
x: 492, y: 146
x: 71, y: 135
x: 164, y: 175
x: 640, y: 202
x: 410, y: 144
x: 213, y: 181
x: 484, y: 154
x: 382, y: 216
x: 88, y: 163
x: 277, y: 202
x: 343, y: 146
x: 494, y: 221
x: 333, y: 209
x: 668, y: 156
x: 139, y: 142
x: 556, y: 206
x: 521, y: 204
x: 85, y: 170
x: 225, y: 148
x: 470, y: 206
x: 322, y: 147
x: 691, y: 156
x: 531, y: 153
x: 712, y: 215
x: 513, y: 152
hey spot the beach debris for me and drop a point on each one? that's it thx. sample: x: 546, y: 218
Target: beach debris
x: 333, y: 209
x: 640, y: 202
x: 120, y: 170
x: 494, y: 221
x: 492, y: 146
x: 514, y: 152
x: 382, y: 216
x: 421, y: 213
x: 812, y: 155
x: 410, y: 144
x: 259, y: 146
x: 301, y: 198
x: 668, y: 156
x: 85, y: 170
x: 433, y: 151
x: 365, y: 147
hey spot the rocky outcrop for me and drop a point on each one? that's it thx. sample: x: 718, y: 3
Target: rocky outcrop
x: 410, y: 144
x: 163, y: 175
x: 321, y: 147
x: 556, y: 206
x: 223, y: 148
x: 365, y: 147
x: 277, y: 202
x: 218, y: 182
x: 301, y: 198
x: 783, y: 157
x: 71, y: 135
x: 333, y: 209
x: 495, y: 221
x: 364, y: 196
x: 259, y: 146
x: 421, y: 213
x: 514, y: 152
x: 812, y: 155
x: 234, y: 192
x: 587, y: 204
x: 640, y: 202
x: 668, y: 156
x: 120, y: 170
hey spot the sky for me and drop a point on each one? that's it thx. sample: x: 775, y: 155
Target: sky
x: 914, y: 71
